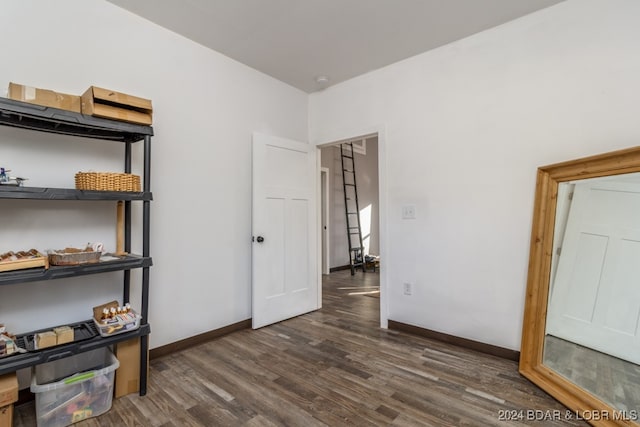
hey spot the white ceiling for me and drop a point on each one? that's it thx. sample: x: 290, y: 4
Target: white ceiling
x: 298, y: 40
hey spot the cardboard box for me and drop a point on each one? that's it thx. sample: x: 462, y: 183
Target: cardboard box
x: 8, y: 395
x: 45, y: 339
x: 6, y: 416
x: 64, y: 334
x: 44, y: 97
x: 97, y: 311
x: 8, y: 389
x: 114, y: 105
x: 128, y: 375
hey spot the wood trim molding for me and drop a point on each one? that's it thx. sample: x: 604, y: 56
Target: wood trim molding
x: 339, y: 268
x: 198, y: 339
x: 493, y: 350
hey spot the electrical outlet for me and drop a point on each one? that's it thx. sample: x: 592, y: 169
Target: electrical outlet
x: 409, y: 212
x: 408, y: 288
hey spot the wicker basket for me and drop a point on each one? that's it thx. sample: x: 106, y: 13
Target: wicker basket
x: 63, y: 257
x: 107, y: 181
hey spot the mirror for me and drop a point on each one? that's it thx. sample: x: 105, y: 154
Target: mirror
x: 581, y: 331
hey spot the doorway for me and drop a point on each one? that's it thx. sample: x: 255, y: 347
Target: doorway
x: 333, y: 227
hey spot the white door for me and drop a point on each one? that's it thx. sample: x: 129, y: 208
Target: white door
x: 284, y: 217
x: 595, y: 298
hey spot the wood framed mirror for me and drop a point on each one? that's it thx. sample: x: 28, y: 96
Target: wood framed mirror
x: 591, y: 277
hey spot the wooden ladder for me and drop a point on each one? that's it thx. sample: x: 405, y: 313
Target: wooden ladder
x: 351, y: 208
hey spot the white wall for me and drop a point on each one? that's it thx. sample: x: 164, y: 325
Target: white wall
x: 466, y: 127
x: 367, y: 181
x: 205, y: 108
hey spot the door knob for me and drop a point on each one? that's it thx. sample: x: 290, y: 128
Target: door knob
x: 260, y: 239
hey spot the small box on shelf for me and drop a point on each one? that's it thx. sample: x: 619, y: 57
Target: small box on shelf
x: 112, y: 319
x: 64, y: 334
x: 21, y: 260
x: 45, y: 339
x: 59, y: 335
x: 45, y: 97
x: 114, y: 105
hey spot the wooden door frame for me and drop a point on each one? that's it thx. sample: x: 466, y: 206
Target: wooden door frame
x: 324, y: 234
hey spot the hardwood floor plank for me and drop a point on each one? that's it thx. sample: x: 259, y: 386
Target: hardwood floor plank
x: 325, y: 407
x: 259, y: 421
x: 128, y: 412
x: 254, y: 391
x: 389, y: 413
x: 213, y: 416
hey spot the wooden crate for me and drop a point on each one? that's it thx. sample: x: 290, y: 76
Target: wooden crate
x: 20, y: 264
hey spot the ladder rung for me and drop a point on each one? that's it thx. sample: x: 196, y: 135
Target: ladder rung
x: 347, y: 170
x: 356, y: 249
x: 352, y: 213
x: 348, y: 157
x: 350, y: 185
x: 353, y: 228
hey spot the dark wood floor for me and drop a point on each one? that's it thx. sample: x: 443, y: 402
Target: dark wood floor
x: 611, y: 379
x: 333, y: 367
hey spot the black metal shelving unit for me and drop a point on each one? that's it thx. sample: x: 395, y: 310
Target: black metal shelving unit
x: 38, y: 193
x: 52, y: 120
x: 127, y: 262
x: 26, y: 360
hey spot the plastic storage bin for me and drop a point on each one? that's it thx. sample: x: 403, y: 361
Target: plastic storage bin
x: 122, y: 323
x: 74, y: 388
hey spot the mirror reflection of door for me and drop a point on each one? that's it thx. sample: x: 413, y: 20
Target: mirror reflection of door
x: 595, y: 294
x: 593, y: 312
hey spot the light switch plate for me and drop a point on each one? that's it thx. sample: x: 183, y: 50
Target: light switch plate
x: 407, y: 288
